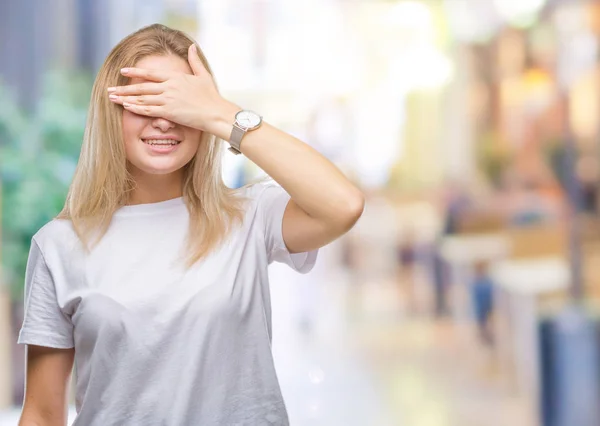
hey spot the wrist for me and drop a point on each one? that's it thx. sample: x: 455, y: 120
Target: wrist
x: 222, y: 123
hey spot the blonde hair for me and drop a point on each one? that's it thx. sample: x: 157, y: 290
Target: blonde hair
x: 102, y: 183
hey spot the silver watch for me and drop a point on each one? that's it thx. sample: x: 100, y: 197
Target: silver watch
x: 245, y: 121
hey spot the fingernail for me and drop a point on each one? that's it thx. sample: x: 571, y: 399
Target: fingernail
x: 126, y: 105
x: 113, y: 97
x: 124, y: 70
x: 111, y: 89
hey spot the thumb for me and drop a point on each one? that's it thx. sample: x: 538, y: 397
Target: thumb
x: 194, y: 60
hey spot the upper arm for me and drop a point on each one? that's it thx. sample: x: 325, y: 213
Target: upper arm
x: 302, y: 233
x: 289, y: 229
x: 48, y: 374
x: 45, y: 323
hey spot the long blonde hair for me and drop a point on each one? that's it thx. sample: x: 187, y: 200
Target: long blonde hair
x: 102, y: 183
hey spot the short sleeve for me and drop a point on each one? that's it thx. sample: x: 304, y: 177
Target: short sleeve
x: 44, y: 323
x: 272, y: 202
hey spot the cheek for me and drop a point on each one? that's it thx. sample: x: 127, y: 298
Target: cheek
x: 193, y: 137
x: 133, y: 125
x: 196, y: 135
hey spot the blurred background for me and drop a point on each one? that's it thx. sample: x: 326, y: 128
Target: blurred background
x: 466, y: 294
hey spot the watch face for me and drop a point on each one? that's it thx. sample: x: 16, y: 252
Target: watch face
x: 248, y: 119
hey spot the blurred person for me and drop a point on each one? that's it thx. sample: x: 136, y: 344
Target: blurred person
x: 153, y: 279
x: 406, y: 253
x: 482, y: 292
x: 588, y: 175
x: 441, y: 281
x: 455, y: 204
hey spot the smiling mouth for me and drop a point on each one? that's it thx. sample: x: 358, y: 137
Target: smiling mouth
x: 161, y: 142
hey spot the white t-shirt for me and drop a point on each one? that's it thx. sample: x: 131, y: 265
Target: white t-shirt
x: 156, y: 344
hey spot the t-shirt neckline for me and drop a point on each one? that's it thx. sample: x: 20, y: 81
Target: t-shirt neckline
x: 150, y: 208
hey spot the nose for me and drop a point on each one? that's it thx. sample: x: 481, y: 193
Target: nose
x: 162, y: 124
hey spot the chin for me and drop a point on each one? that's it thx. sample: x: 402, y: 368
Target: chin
x: 155, y: 168
x: 160, y: 171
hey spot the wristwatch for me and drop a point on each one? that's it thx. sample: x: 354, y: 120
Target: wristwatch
x: 245, y: 121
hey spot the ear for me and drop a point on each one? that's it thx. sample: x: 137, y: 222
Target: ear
x: 195, y: 62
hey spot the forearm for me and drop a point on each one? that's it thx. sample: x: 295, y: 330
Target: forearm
x: 314, y: 183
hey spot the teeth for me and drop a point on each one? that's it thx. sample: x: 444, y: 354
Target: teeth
x: 161, y: 142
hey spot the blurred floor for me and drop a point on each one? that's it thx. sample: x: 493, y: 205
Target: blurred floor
x: 365, y: 362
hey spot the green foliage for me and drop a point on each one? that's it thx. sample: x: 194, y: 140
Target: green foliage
x: 38, y: 154
x: 493, y: 157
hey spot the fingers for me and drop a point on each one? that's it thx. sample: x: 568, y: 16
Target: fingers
x: 195, y: 62
x: 148, y: 105
x: 147, y: 110
x: 137, y: 89
x: 137, y: 100
x: 147, y: 74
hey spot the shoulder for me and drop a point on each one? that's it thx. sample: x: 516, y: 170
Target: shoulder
x: 254, y: 190
x: 261, y: 191
x: 264, y: 199
x: 57, y: 232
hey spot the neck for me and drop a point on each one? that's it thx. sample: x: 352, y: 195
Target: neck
x: 151, y: 188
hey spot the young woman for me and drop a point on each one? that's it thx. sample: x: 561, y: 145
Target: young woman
x: 153, y: 279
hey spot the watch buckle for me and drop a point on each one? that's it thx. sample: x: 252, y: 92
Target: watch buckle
x: 233, y: 150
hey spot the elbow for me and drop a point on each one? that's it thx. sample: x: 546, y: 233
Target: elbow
x: 33, y: 418
x: 353, y: 210
x: 26, y: 421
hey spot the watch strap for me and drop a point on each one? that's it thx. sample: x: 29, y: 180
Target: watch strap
x: 235, y: 140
